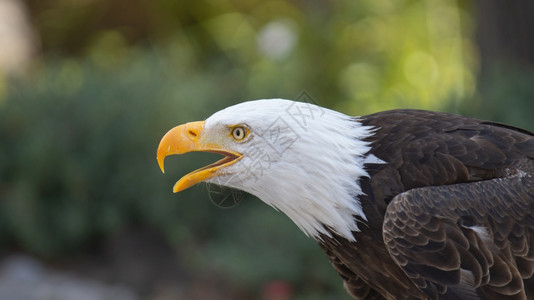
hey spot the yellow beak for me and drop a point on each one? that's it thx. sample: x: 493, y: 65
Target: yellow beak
x: 188, y: 138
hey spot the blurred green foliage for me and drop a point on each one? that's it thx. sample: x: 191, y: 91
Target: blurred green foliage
x: 78, y: 142
x: 359, y: 56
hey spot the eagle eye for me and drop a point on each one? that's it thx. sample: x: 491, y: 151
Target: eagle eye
x: 239, y: 133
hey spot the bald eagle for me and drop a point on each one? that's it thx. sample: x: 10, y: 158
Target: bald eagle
x: 406, y: 204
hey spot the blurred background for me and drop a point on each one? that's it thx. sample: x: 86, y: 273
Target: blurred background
x: 88, y: 88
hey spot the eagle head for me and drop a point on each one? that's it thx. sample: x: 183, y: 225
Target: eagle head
x: 302, y: 159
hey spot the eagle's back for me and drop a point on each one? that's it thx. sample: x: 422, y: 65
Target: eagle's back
x: 426, y: 153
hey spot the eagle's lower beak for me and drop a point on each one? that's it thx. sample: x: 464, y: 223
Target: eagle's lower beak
x: 188, y: 138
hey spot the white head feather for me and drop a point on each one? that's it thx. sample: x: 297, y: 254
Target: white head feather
x: 301, y: 159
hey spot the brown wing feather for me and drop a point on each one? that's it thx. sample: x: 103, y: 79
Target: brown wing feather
x: 354, y: 285
x: 474, y: 237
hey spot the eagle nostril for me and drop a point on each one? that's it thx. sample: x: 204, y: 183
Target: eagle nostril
x: 192, y: 134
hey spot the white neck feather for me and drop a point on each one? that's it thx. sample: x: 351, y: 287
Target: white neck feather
x: 316, y: 180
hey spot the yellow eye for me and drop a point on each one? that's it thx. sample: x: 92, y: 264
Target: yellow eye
x: 239, y: 133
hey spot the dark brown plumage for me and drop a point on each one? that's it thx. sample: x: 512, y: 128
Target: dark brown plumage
x: 449, y: 216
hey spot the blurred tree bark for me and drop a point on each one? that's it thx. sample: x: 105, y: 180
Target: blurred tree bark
x: 505, y: 33
x: 505, y: 38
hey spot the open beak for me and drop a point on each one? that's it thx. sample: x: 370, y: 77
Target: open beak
x: 188, y: 138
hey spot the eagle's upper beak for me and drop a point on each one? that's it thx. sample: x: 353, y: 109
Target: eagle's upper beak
x: 187, y: 138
